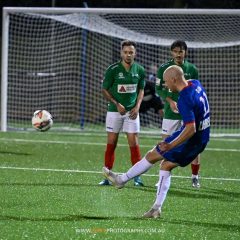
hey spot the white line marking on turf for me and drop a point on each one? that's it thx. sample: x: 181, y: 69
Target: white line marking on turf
x: 152, y: 134
x: 101, y: 144
x: 96, y: 172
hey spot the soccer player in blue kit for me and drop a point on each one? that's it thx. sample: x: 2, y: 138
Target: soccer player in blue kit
x: 181, y: 147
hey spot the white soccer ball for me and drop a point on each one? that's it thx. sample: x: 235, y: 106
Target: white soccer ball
x: 42, y: 120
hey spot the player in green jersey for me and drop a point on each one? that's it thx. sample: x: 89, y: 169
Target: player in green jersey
x: 123, y: 87
x: 172, y: 120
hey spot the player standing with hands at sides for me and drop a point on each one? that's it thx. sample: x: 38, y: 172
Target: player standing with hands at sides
x: 182, y: 146
x: 172, y: 120
x: 123, y: 87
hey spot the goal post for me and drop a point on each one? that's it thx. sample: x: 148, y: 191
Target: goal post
x: 4, y: 70
x: 55, y: 58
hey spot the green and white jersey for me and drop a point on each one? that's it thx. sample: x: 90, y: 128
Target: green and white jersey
x: 124, y: 85
x: 190, y: 72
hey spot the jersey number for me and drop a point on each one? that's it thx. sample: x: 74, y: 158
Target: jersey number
x: 204, y: 100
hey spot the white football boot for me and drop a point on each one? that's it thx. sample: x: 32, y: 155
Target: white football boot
x: 153, y: 213
x: 113, y: 177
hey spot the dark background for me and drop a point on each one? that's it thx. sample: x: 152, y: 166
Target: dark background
x: 125, y: 3
x: 224, y: 4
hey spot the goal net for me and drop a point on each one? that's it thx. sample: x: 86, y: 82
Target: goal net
x: 54, y: 59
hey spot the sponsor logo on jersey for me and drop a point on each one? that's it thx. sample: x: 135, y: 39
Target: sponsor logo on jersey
x: 127, y: 88
x: 164, y: 130
x: 187, y: 75
x: 120, y: 75
x: 135, y: 75
x: 198, y: 89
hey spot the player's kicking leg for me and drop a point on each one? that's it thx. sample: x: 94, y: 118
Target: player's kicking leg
x: 140, y: 167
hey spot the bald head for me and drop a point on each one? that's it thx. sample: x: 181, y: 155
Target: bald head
x: 173, y: 71
x: 174, y: 78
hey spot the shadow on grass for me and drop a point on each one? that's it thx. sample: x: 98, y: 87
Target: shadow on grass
x: 221, y: 191
x: 220, y: 195
x: 203, y: 193
x: 79, y: 185
x: 46, y: 184
x: 15, y: 153
x: 228, y: 227
x: 68, y: 218
x: 82, y: 217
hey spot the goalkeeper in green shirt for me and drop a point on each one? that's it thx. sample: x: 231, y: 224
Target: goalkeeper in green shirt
x: 172, y: 120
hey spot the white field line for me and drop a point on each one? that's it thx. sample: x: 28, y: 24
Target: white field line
x: 100, y: 144
x: 214, y: 137
x: 96, y: 172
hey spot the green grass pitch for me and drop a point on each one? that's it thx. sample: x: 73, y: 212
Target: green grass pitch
x: 49, y: 190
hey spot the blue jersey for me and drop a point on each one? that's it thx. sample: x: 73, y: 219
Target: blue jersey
x: 193, y: 107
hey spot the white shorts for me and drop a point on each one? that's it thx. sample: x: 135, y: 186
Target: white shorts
x: 170, y: 126
x: 115, y: 122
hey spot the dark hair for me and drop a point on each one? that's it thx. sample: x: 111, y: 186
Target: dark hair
x: 179, y: 43
x: 128, y: 43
